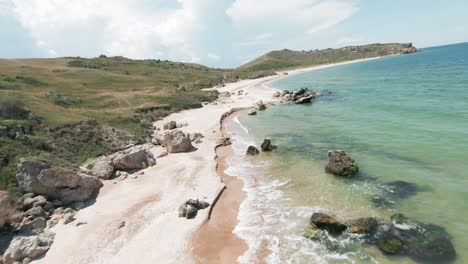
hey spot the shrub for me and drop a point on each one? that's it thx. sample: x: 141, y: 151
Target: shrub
x: 59, y: 99
x: 13, y: 110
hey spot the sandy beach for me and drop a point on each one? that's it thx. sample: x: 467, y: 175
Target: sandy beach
x: 136, y: 220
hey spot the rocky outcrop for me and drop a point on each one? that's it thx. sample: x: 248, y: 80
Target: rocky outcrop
x: 190, y: 208
x: 252, y: 151
x: 305, y: 99
x: 68, y: 186
x: 260, y: 106
x: 252, y: 112
x: 102, y: 168
x: 9, y: 215
x: 326, y: 222
x: 222, y: 142
x: 31, y: 247
x: 230, y: 77
x: 267, y: 146
x: 170, y: 125
x: 420, y: 241
x: 408, y: 48
x: 133, y: 158
x: 341, y: 164
x: 176, y: 141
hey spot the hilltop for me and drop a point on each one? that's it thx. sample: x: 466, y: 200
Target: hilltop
x: 290, y: 59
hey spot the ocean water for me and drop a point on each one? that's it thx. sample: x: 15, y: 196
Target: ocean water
x: 401, y: 118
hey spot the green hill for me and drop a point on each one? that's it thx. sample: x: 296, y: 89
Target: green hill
x: 289, y: 59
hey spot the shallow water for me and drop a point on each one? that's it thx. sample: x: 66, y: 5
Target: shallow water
x: 401, y: 118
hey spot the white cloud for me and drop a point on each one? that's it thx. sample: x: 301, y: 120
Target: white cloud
x: 213, y: 56
x: 264, y: 36
x: 349, y: 41
x: 125, y: 27
x: 311, y: 15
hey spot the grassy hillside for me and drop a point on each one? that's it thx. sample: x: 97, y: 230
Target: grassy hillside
x: 53, y: 100
x: 289, y: 59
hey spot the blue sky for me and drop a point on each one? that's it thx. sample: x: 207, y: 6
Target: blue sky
x: 221, y: 33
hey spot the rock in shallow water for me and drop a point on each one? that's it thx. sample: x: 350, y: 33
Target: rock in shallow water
x: 392, y: 192
x: 267, y: 146
x: 329, y: 223
x: 252, y: 151
x: 340, y: 164
x: 420, y: 241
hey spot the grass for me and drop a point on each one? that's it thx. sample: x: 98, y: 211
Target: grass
x: 289, y: 59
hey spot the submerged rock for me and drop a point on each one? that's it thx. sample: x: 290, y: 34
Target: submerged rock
x: 366, y: 225
x: 341, y: 164
x: 267, y: 146
x: 420, y: 241
x: 326, y: 222
x: 304, y: 100
x: 252, y: 151
x: 392, y: 192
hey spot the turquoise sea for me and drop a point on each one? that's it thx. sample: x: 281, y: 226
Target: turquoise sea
x: 401, y: 118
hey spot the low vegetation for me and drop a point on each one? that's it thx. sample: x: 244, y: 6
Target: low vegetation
x: 72, y: 109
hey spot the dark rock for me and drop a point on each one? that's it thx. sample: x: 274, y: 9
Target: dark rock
x: 420, y: 241
x: 341, y: 164
x: 328, y: 223
x: 267, y: 146
x: 260, y: 106
x: 190, y: 208
x: 252, y: 112
x: 252, y: 151
x: 33, y: 225
x: 3, y: 159
x: 367, y: 225
x: 391, y: 192
x: 170, y: 125
x: 304, y: 100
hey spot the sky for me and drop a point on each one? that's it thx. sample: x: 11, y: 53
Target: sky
x: 220, y: 33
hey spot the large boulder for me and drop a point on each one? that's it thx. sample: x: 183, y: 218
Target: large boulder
x: 267, y: 146
x: 68, y: 186
x: 137, y: 157
x: 420, y: 241
x: 341, y: 164
x: 177, y: 141
x: 326, y: 222
x: 31, y: 247
x: 102, y: 168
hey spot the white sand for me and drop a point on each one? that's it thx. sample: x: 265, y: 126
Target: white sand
x: 153, y: 232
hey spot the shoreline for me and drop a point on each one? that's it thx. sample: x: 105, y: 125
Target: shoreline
x: 148, y: 204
